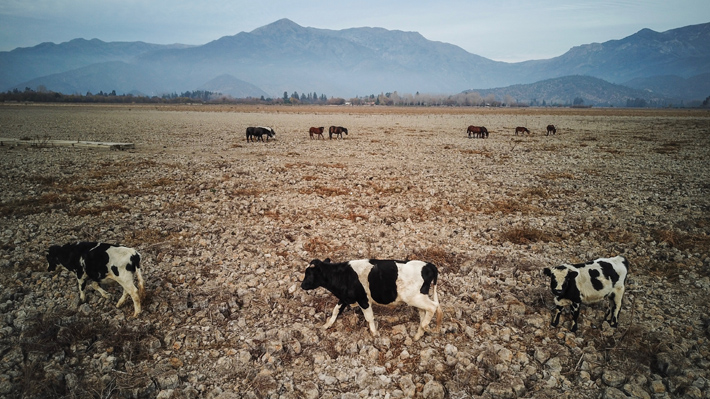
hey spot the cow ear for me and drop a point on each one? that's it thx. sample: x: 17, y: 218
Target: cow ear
x: 314, y: 262
x: 327, y: 260
x: 547, y: 271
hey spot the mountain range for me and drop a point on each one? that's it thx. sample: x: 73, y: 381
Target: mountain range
x: 283, y: 57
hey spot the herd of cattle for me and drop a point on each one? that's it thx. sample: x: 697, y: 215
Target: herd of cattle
x: 362, y: 282
x: 258, y: 133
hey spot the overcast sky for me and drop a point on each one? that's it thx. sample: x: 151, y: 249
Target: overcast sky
x: 502, y: 30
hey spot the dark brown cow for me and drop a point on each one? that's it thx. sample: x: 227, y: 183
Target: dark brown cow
x: 317, y: 131
x: 551, y: 130
x: 521, y: 130
x: 477, y: 131
x: 337, y: 131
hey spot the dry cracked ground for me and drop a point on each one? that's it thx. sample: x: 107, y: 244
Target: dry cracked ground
x: 226, y: 228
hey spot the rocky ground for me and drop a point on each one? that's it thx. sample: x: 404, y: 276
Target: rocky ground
x: 226, y: 229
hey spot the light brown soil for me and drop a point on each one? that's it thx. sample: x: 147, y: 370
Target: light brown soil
x: 226, y: 228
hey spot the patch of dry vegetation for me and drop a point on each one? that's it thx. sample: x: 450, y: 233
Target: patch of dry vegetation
x: 527, y: 235
x: 682, y: 241
x: 45, y: 203
x: 447, y: 261
x: 66, y: 332
x: 670, y: 147
x: 507, y: 207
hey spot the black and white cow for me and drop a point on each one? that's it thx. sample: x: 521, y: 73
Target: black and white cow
x: 259, y: 133
x: 94, y: 262
x: 588, y: 283
x: 385, y: 282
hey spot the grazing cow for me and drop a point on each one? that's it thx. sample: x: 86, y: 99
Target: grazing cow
x: 588, y: 283
x: 521, y: 130
x: 95, y: 262
x: 337, y: 131
x: 477, y: 131
x: 551, y: 130
x: 385, y: 282
x: 259, y: 132
x: 316, y: 131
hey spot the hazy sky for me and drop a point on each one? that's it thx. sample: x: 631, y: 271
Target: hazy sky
x: 502, y: 30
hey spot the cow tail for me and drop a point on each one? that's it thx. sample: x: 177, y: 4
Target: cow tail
x: 141, y: 284
x: 139, y: 276
x: 435, y: 296
x: 439, y: 313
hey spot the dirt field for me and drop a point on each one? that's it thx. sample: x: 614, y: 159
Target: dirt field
x: 227, y: 227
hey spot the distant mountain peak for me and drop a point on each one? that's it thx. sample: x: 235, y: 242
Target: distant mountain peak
x: 283, y: 25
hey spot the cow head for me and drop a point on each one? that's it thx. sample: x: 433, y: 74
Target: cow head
x: 560, y: 279
x: 313, y: 277
x: 53, y: 257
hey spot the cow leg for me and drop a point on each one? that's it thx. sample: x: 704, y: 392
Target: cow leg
x: 126, y: 281
x: 82, y: 286
x: 122, y: 299
x: 575, y: 315
x: 427, y: 309
x: 615, y: 306
x: 338, y: 309
x: 98, y: 288
x: 370, y: 317
x: 130, y: 289
x: 556, y: 316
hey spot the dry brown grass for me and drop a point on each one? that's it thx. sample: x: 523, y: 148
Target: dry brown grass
x: 324, y: 191
x: 154, y: 237
x: 682, y: 241
x: 510, y: 206
x: 62, y: 331
x: 245, y: 192
x: 670, y: 147
x: 45, y: 203
x: 538, y: 192
x: 527, y: 235
x: 483, y: 153
x: 112, y: 207
x: 354, y: 216
x: 557, y: 176
x: 447, y: 261
x: 319, y: 247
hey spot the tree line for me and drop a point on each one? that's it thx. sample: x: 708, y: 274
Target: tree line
x: 41, y: 95
x: 466, y: 99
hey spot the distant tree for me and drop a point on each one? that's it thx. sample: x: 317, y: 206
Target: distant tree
x: 636, y: 103
x: 336, y: 101
x: 578, y: 101
x: 706, y: 102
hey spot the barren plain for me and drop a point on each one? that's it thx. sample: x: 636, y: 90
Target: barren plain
x: 227, y: 227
